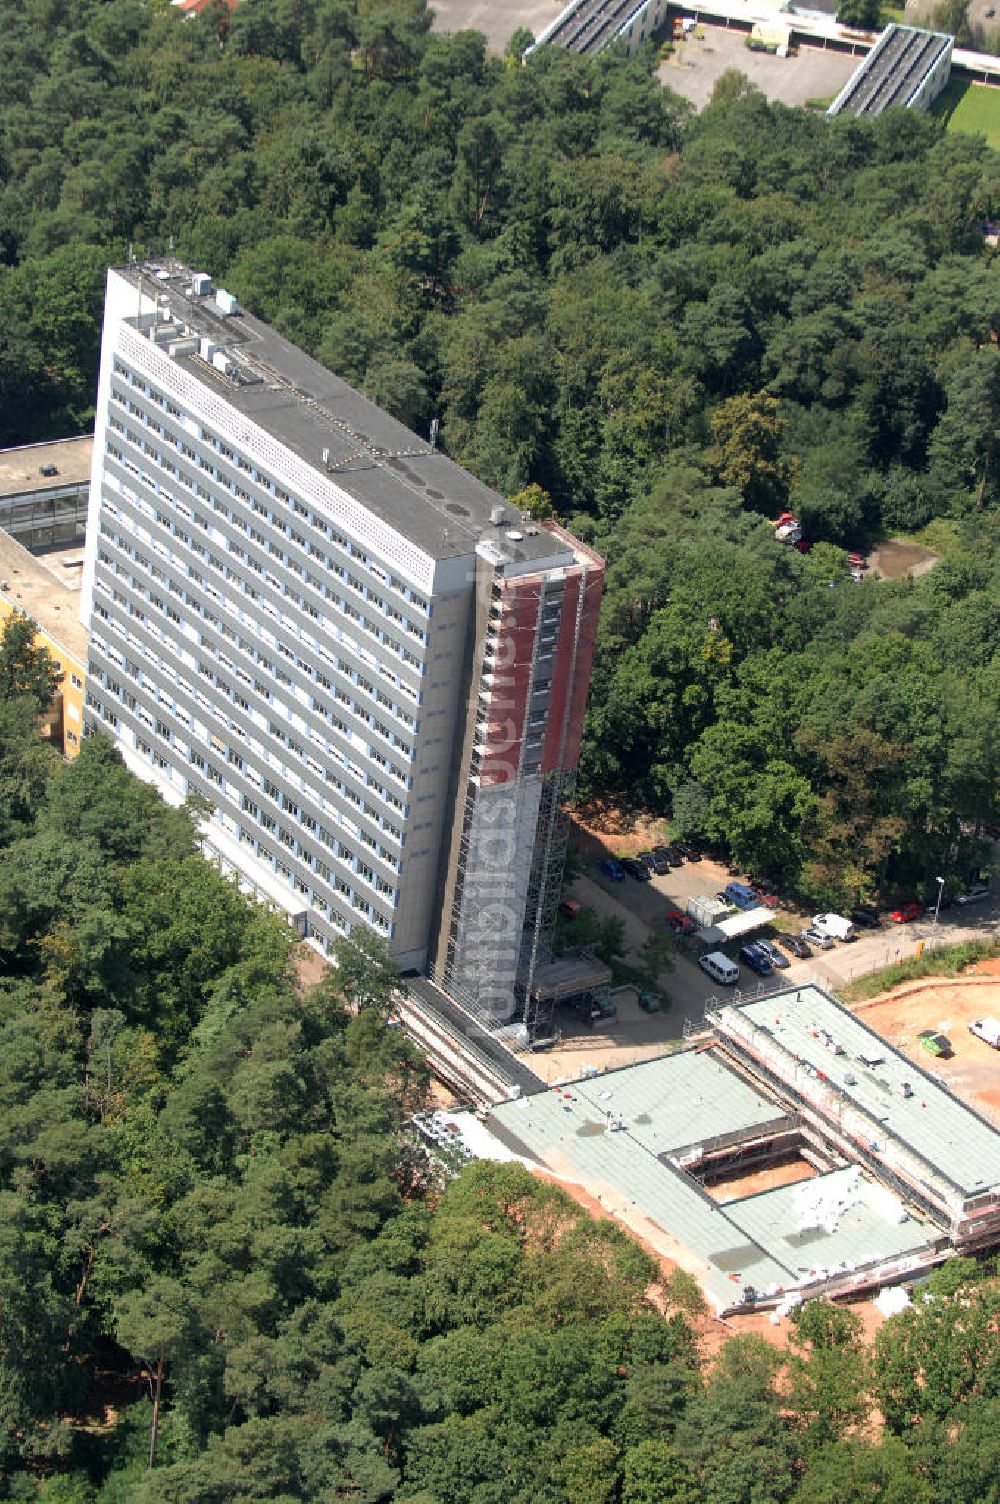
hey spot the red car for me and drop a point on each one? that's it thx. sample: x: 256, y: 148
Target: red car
x: 681, y: 924
x: 906, y: 912
x: 769, y: 900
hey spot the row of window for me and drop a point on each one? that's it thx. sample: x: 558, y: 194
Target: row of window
x: 322, y: 772
x: 227, y: 601
x: 270, y: 824
x: 386, y: 641
x: 258, y: 658
x: 277, y: 517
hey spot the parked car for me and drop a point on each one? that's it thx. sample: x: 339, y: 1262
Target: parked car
x: 636, y: 869
x: 719, y: 967
x: 819, y: 938
x: 795, y: 944
x: 866, y: 917
x: 656, y: 860
x: 975, y: 893
x: 612, y: 868
x: 986, y: 1029
x: 906, y: 912
x: 648, y: 860
x: 667, y: 855
x: 687, y: 851
x: 773, y: 954
x: 723, y: 897
x: 768, y: 899
x: 935, y: 1043
x: 756, y: 959
x: 742, y: 895
x: 569, y: 908
x: 681, y: 924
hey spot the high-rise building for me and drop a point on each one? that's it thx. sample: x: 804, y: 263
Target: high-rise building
x: 373, y: 667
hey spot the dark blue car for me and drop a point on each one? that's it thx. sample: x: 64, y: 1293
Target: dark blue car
x: 612, y: 869
x: 756, y: 959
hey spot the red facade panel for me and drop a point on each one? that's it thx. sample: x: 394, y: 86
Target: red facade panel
x: 584, y: 663
x: 508, y: 702
x: 562, y: 671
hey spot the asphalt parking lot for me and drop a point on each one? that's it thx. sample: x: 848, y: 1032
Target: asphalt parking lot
x: 497, y: 19
x: 696, y: 65
x: 642, y: 906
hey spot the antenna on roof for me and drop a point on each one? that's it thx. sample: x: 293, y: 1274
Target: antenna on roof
x: 326, y: 459
x: 435, y: 424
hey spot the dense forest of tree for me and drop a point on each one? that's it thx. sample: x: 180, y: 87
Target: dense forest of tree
x: 228, y: 1278
x: 674, y: 326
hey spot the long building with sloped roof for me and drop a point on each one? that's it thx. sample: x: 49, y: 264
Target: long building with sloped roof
x: 906, y: 68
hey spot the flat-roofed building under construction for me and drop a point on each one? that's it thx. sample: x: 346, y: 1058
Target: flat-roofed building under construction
x: 906, y: 68
x: 372, y: 666
x: 888, y: 1172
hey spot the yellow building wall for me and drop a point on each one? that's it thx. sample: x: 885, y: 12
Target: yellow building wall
x: 71, y: 685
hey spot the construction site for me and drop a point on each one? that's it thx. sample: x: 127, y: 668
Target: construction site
x: 787, y: 1152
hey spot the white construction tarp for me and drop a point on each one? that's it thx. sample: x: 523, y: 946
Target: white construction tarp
x: 745, y: 923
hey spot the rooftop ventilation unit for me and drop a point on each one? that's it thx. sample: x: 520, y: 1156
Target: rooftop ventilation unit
x: 496, y: 515
x: 514, y: 536
x: 201, y: 284
x: 207, y: 350
x: 224, y: 301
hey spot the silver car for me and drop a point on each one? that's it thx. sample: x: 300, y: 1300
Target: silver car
x: 819, y: 938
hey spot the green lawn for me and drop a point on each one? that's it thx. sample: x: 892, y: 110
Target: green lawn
x: 973, y: 108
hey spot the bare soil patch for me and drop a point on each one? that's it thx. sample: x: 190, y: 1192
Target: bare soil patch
x: 895, y: 560
x: 947, y: 1005
x: 604, y: 828
x: 740, y: 1186
x: 310, y: 967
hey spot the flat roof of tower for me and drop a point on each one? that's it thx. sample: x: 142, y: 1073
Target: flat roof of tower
x: 400, y: 477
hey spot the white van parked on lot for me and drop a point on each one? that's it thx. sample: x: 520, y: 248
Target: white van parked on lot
x: 719, y: 967
x: 834, y: 925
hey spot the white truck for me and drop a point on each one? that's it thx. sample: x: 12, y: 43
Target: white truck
x: 834, y: 925
x: 986, y: 1029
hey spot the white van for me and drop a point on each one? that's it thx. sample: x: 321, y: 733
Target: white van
x: 719, y: 967
x: 834, y: 925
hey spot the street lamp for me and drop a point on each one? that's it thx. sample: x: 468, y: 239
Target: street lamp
x: 937, y: 906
